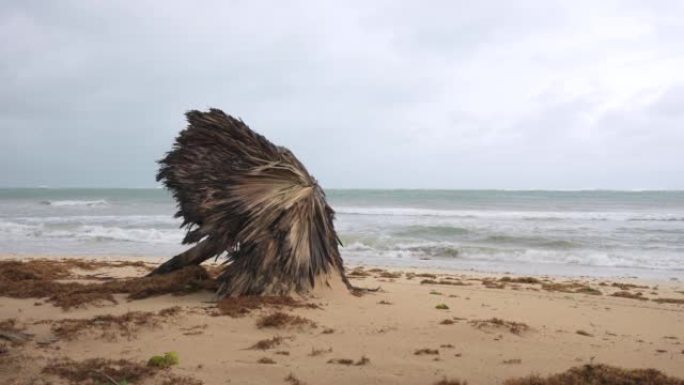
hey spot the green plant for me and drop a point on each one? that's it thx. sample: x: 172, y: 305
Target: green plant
x: 442, y: 306
x: 167, y: 360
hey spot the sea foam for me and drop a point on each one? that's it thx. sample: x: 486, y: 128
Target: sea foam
x: 76, y: 203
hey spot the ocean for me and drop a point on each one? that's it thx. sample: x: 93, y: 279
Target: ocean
x: 598, y: 233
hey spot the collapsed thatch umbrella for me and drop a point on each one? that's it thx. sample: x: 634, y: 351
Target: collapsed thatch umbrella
x: 239, y: 193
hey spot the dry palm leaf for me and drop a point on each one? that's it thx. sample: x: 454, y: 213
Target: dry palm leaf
x: 239, y: 193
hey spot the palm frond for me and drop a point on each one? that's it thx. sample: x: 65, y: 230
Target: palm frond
x: 239, y: 193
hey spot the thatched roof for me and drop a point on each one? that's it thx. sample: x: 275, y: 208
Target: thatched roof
x: 241, y: 194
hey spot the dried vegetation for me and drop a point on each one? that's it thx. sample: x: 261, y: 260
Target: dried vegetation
x: 630, y: 295
x: 40, y: 279
x: 107, y: 371
x: 525, y: 280
x: 426, y: 351
x: 99, y: 369
x: 280, y: 320
x: 497, y: 323
x: 570, y: 287
x: 600, y: 375
x: 349, y: 362
x: 240, y: 306
x: 268, y: 343
x: 111, y: 326
x: 678, y: 301
x: 453, y: 282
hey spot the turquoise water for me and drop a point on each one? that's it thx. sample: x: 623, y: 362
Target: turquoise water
x: 573, y: 232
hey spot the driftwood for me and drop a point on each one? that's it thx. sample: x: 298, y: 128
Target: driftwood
x: 241, y: 195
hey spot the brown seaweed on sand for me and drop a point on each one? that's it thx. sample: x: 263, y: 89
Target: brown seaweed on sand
x: 599, y: 375
x: 36, y: 279
x: 512, y: 326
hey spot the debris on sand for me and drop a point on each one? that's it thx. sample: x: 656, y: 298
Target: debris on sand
x: 349, y: 362
x: 599, y: 374
x: 240, y: 306
x: 40, y: 279
x: 110, y: 326
x: 513, y: 327
x: 280, y: 320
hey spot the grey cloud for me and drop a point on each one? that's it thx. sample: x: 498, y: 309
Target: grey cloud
x: 368, y: 94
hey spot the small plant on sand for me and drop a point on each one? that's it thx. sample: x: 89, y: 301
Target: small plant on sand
x: 442, y: 306
x: 167, y: 360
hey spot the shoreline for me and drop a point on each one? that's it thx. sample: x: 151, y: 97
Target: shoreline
x: 572, y: 271
x: 491, y: 328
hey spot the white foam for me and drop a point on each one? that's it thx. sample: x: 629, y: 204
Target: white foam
x: 501, y: 214
x: 77, y: 203
x: 155, y: 236
x: 94, y: 233
x: 122, y: 220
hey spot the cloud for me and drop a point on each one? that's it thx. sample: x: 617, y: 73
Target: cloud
x: 531, y: 94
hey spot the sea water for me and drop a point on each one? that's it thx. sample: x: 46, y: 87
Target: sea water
x: 541, y: 232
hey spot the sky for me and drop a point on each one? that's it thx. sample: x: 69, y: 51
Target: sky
x: 368, y: 94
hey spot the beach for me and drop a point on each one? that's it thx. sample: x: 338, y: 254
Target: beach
x: 422, y: 326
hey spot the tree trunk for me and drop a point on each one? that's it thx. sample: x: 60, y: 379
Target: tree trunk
x: 193, y: 256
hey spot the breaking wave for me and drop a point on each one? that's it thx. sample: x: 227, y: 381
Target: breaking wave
x: 510, y: 215
x: 90, y: 233
x: 511, y: 255
x: 77, y: 203
x: 463, y: 229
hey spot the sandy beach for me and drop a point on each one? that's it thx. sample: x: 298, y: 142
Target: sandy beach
x: 421, y: 327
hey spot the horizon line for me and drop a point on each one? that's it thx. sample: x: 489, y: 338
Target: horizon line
x: 373, y: 189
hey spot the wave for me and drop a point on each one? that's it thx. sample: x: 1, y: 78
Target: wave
x: 90, y: 233
x: 542, y: 242
x: 155, y: 236
x: 511, y: 255
x: 120, y: 220
x: 400, y: 211
x: 431, y: 231
x: 511, y: 215
x: 77, y: 203
x: 663, y: 218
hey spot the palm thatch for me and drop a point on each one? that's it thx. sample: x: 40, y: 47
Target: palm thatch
x: 240, y: 194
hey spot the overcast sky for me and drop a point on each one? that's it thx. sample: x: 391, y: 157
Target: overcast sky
x: 375, y: 94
